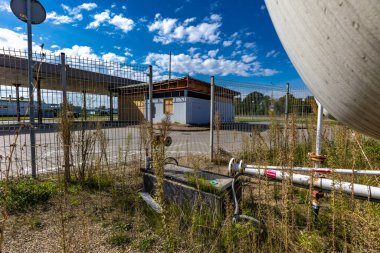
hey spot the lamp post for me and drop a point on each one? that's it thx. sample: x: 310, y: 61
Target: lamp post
x: 30, y: 12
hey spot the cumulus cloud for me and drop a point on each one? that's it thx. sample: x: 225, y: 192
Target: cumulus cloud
x: 213, y: 53
x: 73, y: 14
x: 227, y: 43
x: 106, y: 17
x: 12, y: 39
x: 59, y: 19
x: 168, y: 30
x: 248, y: 58
x: 4, y: 6
x: 112, y: 57
x: 125, y: 24
x: 76, y: 10
x: 99, y: 18
x: 203, y: 64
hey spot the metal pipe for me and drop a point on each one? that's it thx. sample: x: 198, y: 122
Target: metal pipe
x: 212, y: 107
x: 370, y: 193
x: 31, y: 88
x: 319, y: 170
x: 318, y: 141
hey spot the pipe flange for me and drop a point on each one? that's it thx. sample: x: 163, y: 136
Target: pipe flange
x: 231, y: 172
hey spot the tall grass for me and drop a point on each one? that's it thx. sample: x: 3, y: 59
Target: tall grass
x: 105, y: 197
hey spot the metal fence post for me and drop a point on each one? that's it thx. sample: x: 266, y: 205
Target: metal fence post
x: 287, y: 102
x: 151, y: 96
x: 66, y: 141
x: 212, y: 107
x: 31, y: 90
x: 111, y: 105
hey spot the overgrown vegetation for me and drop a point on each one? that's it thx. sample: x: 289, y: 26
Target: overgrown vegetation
x: 99, y: 208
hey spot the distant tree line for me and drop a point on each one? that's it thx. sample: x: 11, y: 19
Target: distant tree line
x: 256, y: 103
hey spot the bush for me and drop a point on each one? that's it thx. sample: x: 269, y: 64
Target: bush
x: 26, y: 193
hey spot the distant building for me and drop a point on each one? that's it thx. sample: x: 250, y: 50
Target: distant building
x: 186, y: 99
x: 8, y: 107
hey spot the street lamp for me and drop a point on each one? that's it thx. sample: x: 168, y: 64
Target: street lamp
x: 30, y: 12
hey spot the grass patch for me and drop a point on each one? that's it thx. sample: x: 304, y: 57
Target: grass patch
x: 26, y: 193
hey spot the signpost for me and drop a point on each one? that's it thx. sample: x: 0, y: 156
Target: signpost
x: 30, y: 12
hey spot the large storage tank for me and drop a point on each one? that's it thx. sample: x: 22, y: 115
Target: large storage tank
x: 335, y: 47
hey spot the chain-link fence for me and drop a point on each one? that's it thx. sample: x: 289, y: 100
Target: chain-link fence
x: 106, y: 107
x: 241, y: 108
x: 104, y: 121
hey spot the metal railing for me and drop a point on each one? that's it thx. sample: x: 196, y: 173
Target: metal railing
x: 106, y: 112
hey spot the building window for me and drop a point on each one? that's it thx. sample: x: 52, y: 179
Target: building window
x: 168, y: 105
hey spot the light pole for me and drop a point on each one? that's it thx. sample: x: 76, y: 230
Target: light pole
x: 22, y: 9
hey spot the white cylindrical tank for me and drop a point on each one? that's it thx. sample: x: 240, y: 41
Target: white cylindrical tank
x: 335, y: 47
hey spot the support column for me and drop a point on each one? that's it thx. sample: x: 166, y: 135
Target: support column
x: 212, y: 107
x: 39, y: 102
x: 84, y: 105
x: 111, y: 106
x: 18, y: 113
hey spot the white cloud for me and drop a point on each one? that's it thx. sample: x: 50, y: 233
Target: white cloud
x: 54, y: 46
x: 99, y: 18
x: 76, y: 10
x: 18, y: 28
x: 262, y: 7
x: 273, y: 53
x: 113, y: 6
x: 202, y: 64
x: 191, y: 50
x: 213, y: 53
x: 215, y: 17
x: 74, y: 14
x: 128, y: 52
x: 227, y: 43
x: 119, y: 21
x: 250, y: 45
x: 125, y: 24
x: 248, y: 58
x: 12, y: 39
x: 178, y: 9
x: 58, y: 19
x: 238, y: 44
x: 170, y: 30
x: 4, y: 6
x: 124, y: 7
x: 80, y: 51
x: 112, y: 57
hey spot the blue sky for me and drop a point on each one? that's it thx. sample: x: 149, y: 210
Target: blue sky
x: 231, y: 39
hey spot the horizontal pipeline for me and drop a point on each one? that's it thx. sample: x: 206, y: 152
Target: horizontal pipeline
x: 370, y: 193
x: 319, y: 170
